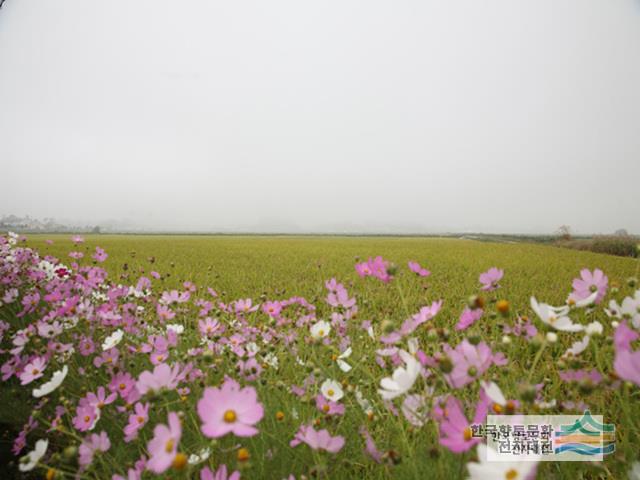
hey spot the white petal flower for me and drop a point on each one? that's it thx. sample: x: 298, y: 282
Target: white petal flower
x: 344, y: 366
x: 402, y: 379
x: 594, y: 328
x: 485, y: 469
x: 331, y: 390
x: 199, y: 457
x: 555, y: 317
x: 320, y: 329
x: 176, y: 327
x: 112, y: 340
x: 29, y: 461
x: 494, y: 393
x: 578, y: 347
x: 48, y: 387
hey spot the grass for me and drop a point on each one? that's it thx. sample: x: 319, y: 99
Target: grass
x: 280, y: 267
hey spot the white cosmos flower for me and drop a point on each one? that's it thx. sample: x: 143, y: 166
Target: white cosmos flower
x: 630, y: 309
x: 402, y: 379
x: 48, y: 387
x: 594, y: 328
x: 344, y: 366
x: 199, y: 457
x: 577, y: 347
x: 176, y: 327
x: 320, y: 329
x: 555, y: 317
x: 585, y: 302
x: 486, y: 469
x: 29, y: 461
x: 331, y: 390
x: 494, y: 393
x: 112, y: 340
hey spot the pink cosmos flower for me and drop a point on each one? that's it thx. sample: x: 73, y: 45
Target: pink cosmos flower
x: 77, y: 239
x: 328, y: 407
x: 220, y: 474
x: 589, y: 283
x: 33, y: 370
x: 469, y: 362
x: 163, y: 376
x: 317, y: 440
x: 455, y: 429
x: 86, y: 417
x: 100, y: 255
x: 272, y: 309
x: 370, y: 446
x: 163, y: 447
x: 490, y: 279
x: 376, y: 267
x: 418, y: 270
x: 468, y: 318
x: 626, y: 362
x: 209, y: 327
x: 230, y: 409
x: 137, y: 420
x: 96, y: 442
x: 122, y: 383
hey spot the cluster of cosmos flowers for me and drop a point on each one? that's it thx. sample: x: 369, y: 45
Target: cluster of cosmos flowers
x: 133, y: 380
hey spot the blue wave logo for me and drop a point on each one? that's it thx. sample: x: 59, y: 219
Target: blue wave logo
x: 586, y: 436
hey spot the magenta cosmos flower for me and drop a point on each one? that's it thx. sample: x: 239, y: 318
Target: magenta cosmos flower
x: 588, y: 283
x: 317, y: 440
x: 163, y: 447
x: 418, y: 270
x: 455, y: 429
x: 490, y: 279
x: 230, y: 409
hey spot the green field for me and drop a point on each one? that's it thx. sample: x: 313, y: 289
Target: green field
x: 279, y: 267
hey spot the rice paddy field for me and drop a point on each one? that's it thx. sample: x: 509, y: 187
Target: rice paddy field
x: 190, y: 356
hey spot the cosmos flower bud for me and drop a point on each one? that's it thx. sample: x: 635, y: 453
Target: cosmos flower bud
x: 387, y: 326
x: 392, y: 269
x: 632, y: 282
x: 446, y: 365
x: 70, y: 453
x: 475, y: 301
x: 503, y: 307
x: 527, y: 392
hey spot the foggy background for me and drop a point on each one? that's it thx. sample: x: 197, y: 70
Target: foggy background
x: 331, y: 116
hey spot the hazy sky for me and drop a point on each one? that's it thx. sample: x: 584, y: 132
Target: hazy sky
x: 456, y: 115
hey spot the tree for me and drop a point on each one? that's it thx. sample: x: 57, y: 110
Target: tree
x: 564, y: 232
x: 621, y: 232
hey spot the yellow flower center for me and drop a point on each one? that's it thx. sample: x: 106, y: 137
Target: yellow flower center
x: 243, y: 455
x: 168, y: 447
x: 180, y: 461
x: 468, y: 434
x: 321, y: 333
x: 511, y: 474
x: 330, y: 392
x: 87, y: 418
x: 122, y: 386
x: 325, y: 408
x: 35, y: 371
x: 497, y: 408
x: 230, y: 416
x: 140, y: 419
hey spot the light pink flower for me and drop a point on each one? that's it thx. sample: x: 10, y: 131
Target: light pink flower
x: 96, y: 442
x: 468, y: 318
x: 589, y: 283
x: 33, y: 370
x: 162, y: 376
x: 490, y: 279
x: 317, y: 440
x: 455, y: 430
x: 418, y: 270
x: 220, y: 474
x: 230, y: 409
x: 163, y: 447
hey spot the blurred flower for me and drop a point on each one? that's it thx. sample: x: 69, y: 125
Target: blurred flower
x: 163, y: 447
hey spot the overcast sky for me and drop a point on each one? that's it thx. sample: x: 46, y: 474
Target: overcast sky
x: 452, y: 115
